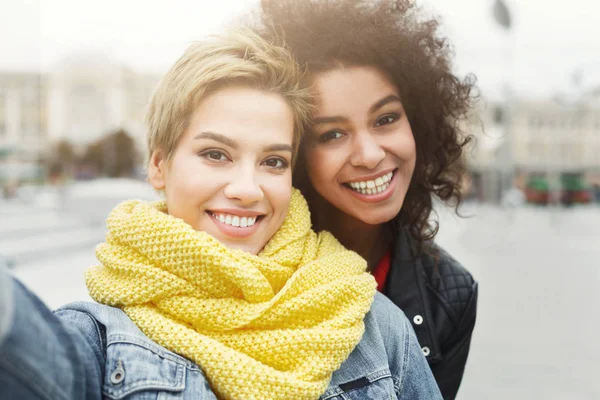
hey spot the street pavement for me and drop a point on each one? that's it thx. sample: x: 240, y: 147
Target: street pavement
x: 538, y: 320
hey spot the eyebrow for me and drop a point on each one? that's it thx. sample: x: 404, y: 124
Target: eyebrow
x: 278, y: 147
x: 328, y: 120
x: 233, y: 144
x: 217, y: 137
x: 338, y: 119
x: 386, y: 100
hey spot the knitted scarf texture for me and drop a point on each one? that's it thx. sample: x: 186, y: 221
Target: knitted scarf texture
x: 272, y: 326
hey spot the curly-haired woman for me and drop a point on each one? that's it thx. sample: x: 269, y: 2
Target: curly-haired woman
x: 385, y: 141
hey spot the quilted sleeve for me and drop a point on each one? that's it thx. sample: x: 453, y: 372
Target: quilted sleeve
x: 455, y: 349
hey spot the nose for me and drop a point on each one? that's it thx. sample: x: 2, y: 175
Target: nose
x: 367, y: 151
x: 244, y: 186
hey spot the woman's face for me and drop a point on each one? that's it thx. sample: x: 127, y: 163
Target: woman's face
x: 360, y: 155
x: 230, y: 173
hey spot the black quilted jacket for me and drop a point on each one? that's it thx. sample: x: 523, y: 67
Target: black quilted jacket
x: 439, y: 297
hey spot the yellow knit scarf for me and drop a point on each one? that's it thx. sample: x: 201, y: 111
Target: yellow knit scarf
x: 272, y: 326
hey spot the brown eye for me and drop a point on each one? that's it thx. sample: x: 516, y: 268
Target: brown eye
x: 386, y: 119
x: 214, y: 155
x: 329, y: 136
x: 277, y: 163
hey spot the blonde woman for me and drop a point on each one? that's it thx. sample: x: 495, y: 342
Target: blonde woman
x: 222, y: 290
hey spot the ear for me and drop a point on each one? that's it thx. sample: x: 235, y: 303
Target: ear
x: 157, y: 172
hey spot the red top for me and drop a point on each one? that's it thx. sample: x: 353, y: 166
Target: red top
x: 382, y: 269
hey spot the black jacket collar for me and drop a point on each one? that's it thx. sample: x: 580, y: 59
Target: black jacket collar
x: 407, y: 285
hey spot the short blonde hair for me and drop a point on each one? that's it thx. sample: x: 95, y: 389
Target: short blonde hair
x: 238, y: 57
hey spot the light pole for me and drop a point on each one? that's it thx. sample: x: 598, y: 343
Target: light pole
x: 502, y: 16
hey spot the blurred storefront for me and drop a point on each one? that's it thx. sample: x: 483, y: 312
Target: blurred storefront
x: 551, y: 147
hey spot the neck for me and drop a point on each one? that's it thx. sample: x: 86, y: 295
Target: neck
x: 371, y: 242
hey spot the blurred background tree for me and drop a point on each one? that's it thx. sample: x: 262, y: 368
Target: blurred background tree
x: 114, y: 156
x: 62, y: 160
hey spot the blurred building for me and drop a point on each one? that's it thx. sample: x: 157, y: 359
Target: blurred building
x: 23, y: 124
x: 551, y: 139
x: 91, y: 96
x: 81, y: 100
x: 553, y: 136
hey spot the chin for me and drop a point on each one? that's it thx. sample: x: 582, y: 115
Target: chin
x: 245, y: 247
x: 377, y: 220
x: 377, y: 217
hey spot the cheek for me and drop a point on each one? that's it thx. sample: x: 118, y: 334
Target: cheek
x: 404, y: 147
x: 187, y: 181
x: 278, y: 190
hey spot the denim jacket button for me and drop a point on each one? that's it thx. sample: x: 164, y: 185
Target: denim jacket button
x: 118, y: 374
x: 418, y: 320
x: 425, y: 351
x: 117, y: 377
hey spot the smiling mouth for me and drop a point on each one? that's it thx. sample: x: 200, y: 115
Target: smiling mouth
x: 371, y: 187
x: 235, y: 221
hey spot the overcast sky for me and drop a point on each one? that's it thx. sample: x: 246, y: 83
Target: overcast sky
x: 550, y: 40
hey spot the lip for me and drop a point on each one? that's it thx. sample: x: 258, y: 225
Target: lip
x: 234, y: 231
x: 379, y: 197
x: 236, y: 211
x: 371, y: 177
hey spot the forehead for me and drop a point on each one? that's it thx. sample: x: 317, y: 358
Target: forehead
x: 351, y: 88
x: 246, y: 114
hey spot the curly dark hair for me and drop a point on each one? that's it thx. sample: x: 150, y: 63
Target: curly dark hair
x: 401, y: 40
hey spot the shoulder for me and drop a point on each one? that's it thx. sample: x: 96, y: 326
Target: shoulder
x: 449, y: 278
x: 387, y: 331
x: 384, y: 314
x: 437, y: 271
x: 87, y: 315
x: 377, y: 365
x: 434, y: 263
x: 117, y: 328
x: 436, y: 257
x: 428, y: 283
x: 133, y: 362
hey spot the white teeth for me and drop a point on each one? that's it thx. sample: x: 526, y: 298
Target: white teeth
x: 234, y: 220
x: 373, y: 186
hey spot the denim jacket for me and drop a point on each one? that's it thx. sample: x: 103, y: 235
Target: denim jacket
x: 93, y: 351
